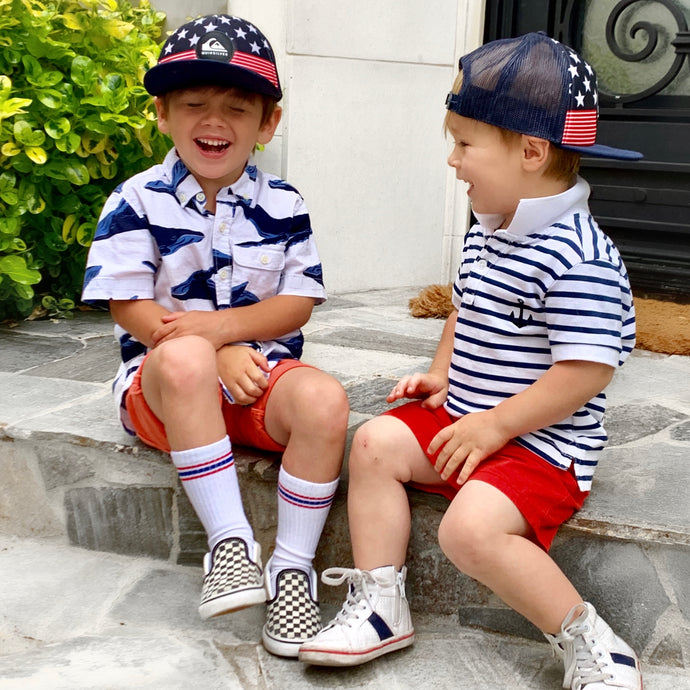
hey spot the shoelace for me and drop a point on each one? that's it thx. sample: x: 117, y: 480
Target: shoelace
x: 583, y: 663
x: 358, y: 598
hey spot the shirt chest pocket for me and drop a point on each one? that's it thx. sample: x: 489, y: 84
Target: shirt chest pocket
x: 256, y: 270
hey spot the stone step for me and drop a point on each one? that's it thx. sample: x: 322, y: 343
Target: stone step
x: 127, y: 499
x: 71, y: 472
x: 74, y: 619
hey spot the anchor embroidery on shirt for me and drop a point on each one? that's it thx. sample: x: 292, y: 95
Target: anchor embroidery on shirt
x: 520, y: 321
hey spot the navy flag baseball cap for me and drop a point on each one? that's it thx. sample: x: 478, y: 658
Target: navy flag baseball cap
x: 537, y: 86
x: 218, y: 50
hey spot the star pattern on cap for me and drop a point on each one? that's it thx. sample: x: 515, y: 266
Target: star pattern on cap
x: 222, y: 39
x: 582, y: 86
x: 580, y: 124
x: 243, y: 34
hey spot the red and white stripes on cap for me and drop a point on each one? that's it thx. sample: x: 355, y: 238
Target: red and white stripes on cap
x: 217, y: 49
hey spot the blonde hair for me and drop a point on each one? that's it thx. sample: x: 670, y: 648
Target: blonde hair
x: 561, y: 164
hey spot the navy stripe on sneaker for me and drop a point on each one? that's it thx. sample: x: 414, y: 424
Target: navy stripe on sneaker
x: 624, y: 659
x: 382, y: 629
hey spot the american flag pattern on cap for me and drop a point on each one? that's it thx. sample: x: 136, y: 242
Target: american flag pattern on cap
x: 534, y: 85
x: 580, y: 127
x: 206, y: 47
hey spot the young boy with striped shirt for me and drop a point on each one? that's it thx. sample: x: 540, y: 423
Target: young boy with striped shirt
x: 209, y: 269
x: 508, y: 419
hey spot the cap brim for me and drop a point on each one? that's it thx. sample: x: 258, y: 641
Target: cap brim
x: 187, y: 73
x: 601, y: 151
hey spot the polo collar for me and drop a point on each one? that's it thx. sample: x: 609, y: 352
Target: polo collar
x: 545, y: 210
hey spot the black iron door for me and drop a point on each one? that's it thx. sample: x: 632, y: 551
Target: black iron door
x: 640, y: 50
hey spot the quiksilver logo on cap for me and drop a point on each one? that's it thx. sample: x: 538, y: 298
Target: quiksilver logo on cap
x: 215, y: 45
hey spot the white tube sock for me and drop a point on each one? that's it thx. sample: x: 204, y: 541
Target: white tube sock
x: 302, y: 511
x: 209, y: 478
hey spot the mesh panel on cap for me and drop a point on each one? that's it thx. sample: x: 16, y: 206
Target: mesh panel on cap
x: 537, y: 86
x: 522, y: 89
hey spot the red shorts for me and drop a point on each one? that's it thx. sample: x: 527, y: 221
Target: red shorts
x: 545, y: 495
x: 245, y: 423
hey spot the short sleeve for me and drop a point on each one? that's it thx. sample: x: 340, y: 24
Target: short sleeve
x: 589, y: 314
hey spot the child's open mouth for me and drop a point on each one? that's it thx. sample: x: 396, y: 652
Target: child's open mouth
x: 212, y: 145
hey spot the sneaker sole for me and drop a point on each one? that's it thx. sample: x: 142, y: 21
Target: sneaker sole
x: 332, y: 657
x: 235, y: 601
x: 282, y: 648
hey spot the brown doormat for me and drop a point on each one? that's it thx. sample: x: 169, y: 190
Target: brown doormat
x: 661, y: 326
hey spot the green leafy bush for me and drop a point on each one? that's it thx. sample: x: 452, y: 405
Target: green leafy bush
x: 74, y: 122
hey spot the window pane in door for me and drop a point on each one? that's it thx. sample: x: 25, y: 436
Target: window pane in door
x: 630, y: 43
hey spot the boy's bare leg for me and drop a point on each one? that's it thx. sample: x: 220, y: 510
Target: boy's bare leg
x: 385, y: 455
x: 485, y: 536
x: 307, y: 412
x: 180, y: 384
x: 375, y: 617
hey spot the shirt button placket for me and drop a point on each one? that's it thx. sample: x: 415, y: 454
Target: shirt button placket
x: 224, y: 275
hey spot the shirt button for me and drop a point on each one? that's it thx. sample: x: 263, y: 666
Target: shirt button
x: 264, y: 259
x: 481, y: 264
x: 200, y: 197
x: 223, y: 275
x: 183, y: 198
x: 223, y: 228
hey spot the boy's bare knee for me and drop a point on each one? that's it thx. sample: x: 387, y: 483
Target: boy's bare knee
x: 371, y: 447
x: 364, y: 438
x: 332, y: 404
x: 323, y: 400
x: 184, y: 362
x: 463, y: 542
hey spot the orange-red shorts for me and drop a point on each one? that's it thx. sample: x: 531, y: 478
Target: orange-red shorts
x: 245, y: 423
x: 545, y: 495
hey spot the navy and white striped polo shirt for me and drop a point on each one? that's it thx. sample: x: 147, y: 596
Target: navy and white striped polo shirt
x: 156, y: 240
x: 551, y: 287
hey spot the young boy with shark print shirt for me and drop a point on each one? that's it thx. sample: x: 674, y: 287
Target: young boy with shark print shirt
x: 209, y: 269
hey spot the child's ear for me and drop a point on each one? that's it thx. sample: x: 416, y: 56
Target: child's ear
x: 535, y: 152
x: 268, y: 129
x: 161, y: 115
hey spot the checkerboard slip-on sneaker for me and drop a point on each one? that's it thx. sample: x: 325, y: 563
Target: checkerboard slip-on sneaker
x: 292, y: 612
x: 233, y: 578
x: 595, y: 658
x: 374, y: 620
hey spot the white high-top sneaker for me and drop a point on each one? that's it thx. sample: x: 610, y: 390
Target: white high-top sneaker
x: 595, y: 658
x: 374, y: 620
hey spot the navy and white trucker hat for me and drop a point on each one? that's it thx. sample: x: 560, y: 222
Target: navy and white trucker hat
x: 220, y: 50
x: 537, y: 86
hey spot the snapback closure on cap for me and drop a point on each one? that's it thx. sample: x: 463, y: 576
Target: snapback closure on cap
x: 453, y: 101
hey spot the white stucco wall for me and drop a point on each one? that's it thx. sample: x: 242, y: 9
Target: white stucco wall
x: 362, y: 133
x: 177, y: 13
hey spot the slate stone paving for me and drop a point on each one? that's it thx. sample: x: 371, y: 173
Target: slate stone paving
x: 72, y: 477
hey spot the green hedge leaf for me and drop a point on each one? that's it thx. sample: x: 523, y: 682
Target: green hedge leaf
x: 13, y: 106
x: 76, y: 173
x: 75, y: 121
x: 25, y: 134
x: 84, y: 72
x: 36, y: 154
x: 56, y: 129
x: 15, y: 268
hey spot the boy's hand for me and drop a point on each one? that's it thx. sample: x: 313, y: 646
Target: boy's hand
x: 467, y: 442
x: 207, y: 324
x: 243, y: 370
x: 430, y: 386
